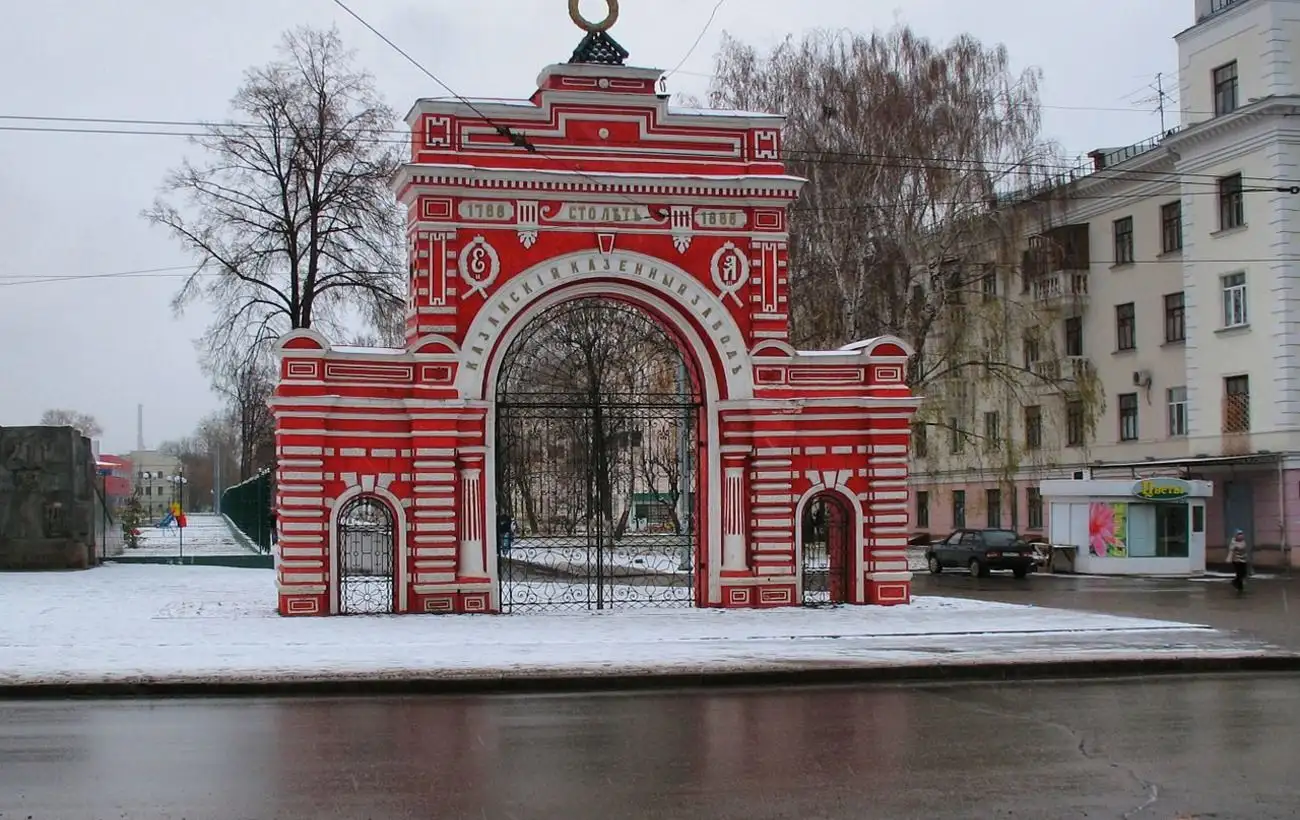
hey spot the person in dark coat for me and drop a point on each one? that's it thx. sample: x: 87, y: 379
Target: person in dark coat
x: 1238, y: 557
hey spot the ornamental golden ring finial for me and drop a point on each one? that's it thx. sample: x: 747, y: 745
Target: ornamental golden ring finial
x: 586, y: 25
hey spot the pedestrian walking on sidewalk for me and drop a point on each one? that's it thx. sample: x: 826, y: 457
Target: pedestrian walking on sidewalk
x: 1237, y: 557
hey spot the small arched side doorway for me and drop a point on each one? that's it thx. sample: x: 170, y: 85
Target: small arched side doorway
x: 826, y: 561
x: 365, y: 557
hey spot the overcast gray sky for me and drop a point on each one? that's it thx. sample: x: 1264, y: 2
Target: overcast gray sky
x: 70, y: 203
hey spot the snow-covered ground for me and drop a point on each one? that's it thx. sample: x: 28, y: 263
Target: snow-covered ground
x: 132, y: 622
x: 204, y: 535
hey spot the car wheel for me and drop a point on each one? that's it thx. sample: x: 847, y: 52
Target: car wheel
x: 976, y: 570
x: 1021, y: 572
x: 935, y: 566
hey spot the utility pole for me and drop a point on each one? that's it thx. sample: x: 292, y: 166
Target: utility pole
x: 216, y: 478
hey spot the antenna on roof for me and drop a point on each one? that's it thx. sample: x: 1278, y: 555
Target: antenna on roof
x: 1158, y: 99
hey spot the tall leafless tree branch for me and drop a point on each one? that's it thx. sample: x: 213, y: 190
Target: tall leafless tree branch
x: 289, y: 216
x: 908, y: 225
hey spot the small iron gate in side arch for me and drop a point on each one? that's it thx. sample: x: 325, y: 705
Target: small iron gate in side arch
x: 597, y: 447
x: 827, y: 550
x: 366, y: 551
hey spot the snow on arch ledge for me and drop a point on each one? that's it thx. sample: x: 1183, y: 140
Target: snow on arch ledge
x: 881, y: 347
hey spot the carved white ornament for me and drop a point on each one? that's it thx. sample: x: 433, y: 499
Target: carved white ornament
x: 730, y: 269
x: 479, y: 266
x: 682, y: 225
x: 529, y: 222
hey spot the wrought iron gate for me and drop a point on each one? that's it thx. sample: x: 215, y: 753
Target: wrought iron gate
x: 597, y: 449
x: 826, y: 551
x: 365, y: 557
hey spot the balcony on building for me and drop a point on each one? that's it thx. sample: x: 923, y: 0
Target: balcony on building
x: 1059, y: 372
x: 1205, y: 9
x: 1055, y: 266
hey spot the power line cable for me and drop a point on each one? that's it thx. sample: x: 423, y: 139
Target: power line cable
x: 501, y: 129
x: 696, y: 44
x: 814, y: 157
x: 168, y: 272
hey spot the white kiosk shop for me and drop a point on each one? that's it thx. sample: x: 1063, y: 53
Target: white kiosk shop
x: 1148, y: 526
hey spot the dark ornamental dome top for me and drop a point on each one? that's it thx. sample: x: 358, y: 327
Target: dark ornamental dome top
x: 597, y: 47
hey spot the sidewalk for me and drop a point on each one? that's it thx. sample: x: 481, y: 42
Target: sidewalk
x: 140, y: 629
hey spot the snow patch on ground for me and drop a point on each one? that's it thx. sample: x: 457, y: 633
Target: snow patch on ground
x: 132, y: 622
x: 204, y: 535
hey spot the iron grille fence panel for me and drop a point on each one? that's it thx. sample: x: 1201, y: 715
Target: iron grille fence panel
x: 365, y: 556
x: 597, y: 454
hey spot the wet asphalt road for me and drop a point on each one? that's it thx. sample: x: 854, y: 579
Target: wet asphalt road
x: 1155, y: 748
x: 1269, y: 611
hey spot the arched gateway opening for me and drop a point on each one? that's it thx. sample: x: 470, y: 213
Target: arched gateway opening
x: 827, y: 550
x: 597, y: 462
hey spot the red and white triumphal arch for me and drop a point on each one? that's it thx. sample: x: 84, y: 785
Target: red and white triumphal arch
x: 524, y: 447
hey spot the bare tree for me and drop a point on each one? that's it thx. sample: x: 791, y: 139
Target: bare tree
x: 591, y: 371
x: 83, y: 423
x: 290, y: 217
x: 248, y: 390
x: 661, y: 468
x: 911, y: 225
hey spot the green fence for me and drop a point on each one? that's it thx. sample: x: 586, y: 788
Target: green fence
x: 249, y: 506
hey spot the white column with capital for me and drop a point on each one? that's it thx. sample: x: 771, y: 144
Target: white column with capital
x: 733, y: 517
x: 471, y: 564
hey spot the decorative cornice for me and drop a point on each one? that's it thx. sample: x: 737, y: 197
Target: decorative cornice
x: 1247, y: 115
x: 773, y: 186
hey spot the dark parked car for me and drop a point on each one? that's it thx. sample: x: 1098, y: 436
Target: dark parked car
x: 980, y: 551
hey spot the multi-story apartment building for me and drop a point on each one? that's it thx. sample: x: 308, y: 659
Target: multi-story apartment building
x: 1174, y: 282
x: 155, y: 481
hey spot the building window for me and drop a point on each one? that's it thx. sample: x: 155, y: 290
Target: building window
x: 1177, y: 400
x: 992, y: 431
x: 956, y: 438
x: 1128, y: 417
x: 920, y: 442
x: 1175, y: 317
x: 1032, y: 354
x: 1171, y: 227
x: 1074, y: 426
x: 1232, y: 203
x: 1234, y: 300
x: 1236, y: 404
x: 923, y: 509
x: 1034, y: 507
x: 1125, y: 327
x: 1225, y: 89
x: 1034, y: 427
x: 1074, y: 336
x: 989, y: 285
x: 993, y: 509
x: 959, y: 509
x: 1124, y: 241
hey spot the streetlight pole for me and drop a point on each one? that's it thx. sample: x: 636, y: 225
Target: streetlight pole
x: 180, y: 507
